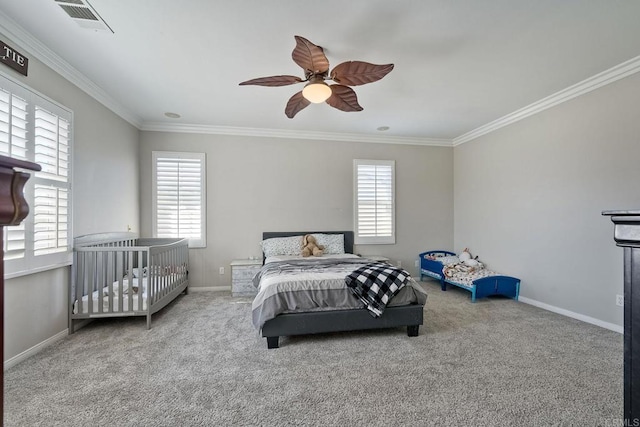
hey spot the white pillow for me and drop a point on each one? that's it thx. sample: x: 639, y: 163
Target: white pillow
x: 333, y: 243
x: 282, y: 246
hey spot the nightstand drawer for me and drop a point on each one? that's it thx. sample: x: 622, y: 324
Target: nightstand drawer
x: 243, y: 289
x: 244, y: 272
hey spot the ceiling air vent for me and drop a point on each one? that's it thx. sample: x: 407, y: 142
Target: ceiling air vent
x: 84, y: 14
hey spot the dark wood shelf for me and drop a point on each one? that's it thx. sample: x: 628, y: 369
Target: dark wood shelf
x: 13, y: 209
x: 627, y: 235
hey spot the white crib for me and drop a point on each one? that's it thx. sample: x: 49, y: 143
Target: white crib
x: 119, y: 275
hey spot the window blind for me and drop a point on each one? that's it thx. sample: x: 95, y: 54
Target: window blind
x: 13, y: 125
x: 35, y: 129
x: 374, y: 201
x: 179, y: 196
x: 50, y: 192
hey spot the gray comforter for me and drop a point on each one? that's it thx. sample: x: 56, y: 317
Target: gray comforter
x: 312, y: 284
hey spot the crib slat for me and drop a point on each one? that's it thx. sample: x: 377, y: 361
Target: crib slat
x: 157, y: 262
x: 105, y: 284
x: 110, y: 278
x: 174, y: 266
x: 80, y: 282
x: 168, y: 266
x: 153, y: 278
x: 129, y: 255
x: 119, y: 275
x: 158, y: 268
x: 163, y: 277
x: 141, y: 280
x: 90, y: 273
x: 106, y: 280
x: 98, y: 284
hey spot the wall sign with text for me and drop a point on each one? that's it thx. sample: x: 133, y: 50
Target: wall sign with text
x: 14, y: 59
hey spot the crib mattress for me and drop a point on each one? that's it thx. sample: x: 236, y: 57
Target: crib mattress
x: 116, y: 306
x: 115, y: 301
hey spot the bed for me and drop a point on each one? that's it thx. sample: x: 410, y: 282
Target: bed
x: 121, y: 275
x: 318, y: 299
x: 446, y: 267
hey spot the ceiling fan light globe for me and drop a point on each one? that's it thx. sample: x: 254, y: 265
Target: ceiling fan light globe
x: 316, y: 92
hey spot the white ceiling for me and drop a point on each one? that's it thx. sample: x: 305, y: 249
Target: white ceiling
x: 459, y: 64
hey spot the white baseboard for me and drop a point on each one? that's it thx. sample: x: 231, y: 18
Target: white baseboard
x: 582, y: 317
x: 209, y: 288
x: 35, y: 349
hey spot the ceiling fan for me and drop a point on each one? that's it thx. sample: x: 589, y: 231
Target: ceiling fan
x: 316, y: 70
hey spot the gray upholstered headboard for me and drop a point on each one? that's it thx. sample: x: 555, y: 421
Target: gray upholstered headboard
x: 348, y: 236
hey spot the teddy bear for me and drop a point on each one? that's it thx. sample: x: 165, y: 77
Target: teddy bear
x: 310, y: 246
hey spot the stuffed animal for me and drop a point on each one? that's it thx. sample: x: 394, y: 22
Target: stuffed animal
x: 466, y: 259
x: 473, y: 262
x: 311, y: 247
x: 464, y: 255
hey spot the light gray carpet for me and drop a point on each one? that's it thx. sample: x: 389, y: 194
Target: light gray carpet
x: 495, y: 362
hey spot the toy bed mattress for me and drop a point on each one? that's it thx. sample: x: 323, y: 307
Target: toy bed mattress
x: 315, y: 284
x: 458, y: 274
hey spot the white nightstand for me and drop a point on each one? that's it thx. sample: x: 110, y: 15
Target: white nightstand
x: 242, y: 272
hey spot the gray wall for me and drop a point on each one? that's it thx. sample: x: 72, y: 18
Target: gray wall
x: 105, y: 198
x: 529, y: 197
x: 265, y: 184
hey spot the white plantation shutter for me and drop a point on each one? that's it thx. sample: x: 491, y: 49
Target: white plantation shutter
x: 13, y: 143
x: 36, y: 129
x: 14, y: 242
x: 51, y: 145
x: 13, y: 125
x: 374, y: 189
x: 51, y: 194
x: 50, y: 219
x: 179, y: 196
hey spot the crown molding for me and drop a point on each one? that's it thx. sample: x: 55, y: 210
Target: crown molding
x: 611, y: 75
x: 32, y: 45
x: 292, y: 134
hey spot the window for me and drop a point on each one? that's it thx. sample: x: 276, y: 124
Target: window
x: 374, y: 210
x: 179, y: 196
x: 36, y: 129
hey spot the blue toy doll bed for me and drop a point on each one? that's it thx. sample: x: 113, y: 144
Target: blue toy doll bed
x: 448, y: 269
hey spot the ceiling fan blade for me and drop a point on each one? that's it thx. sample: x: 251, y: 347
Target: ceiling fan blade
x: 273, y: 81
x: 354, y: 73
x: 296, y: 103
x: 343, y: 98
x: 309, y: 56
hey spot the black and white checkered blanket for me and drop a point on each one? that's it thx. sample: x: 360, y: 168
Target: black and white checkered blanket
x: 375, y: 284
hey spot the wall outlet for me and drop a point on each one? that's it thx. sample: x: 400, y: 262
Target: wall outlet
x: 221, y: 270
x: 416, y: 263
x: 399, y: 264
x: 620, y: 300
